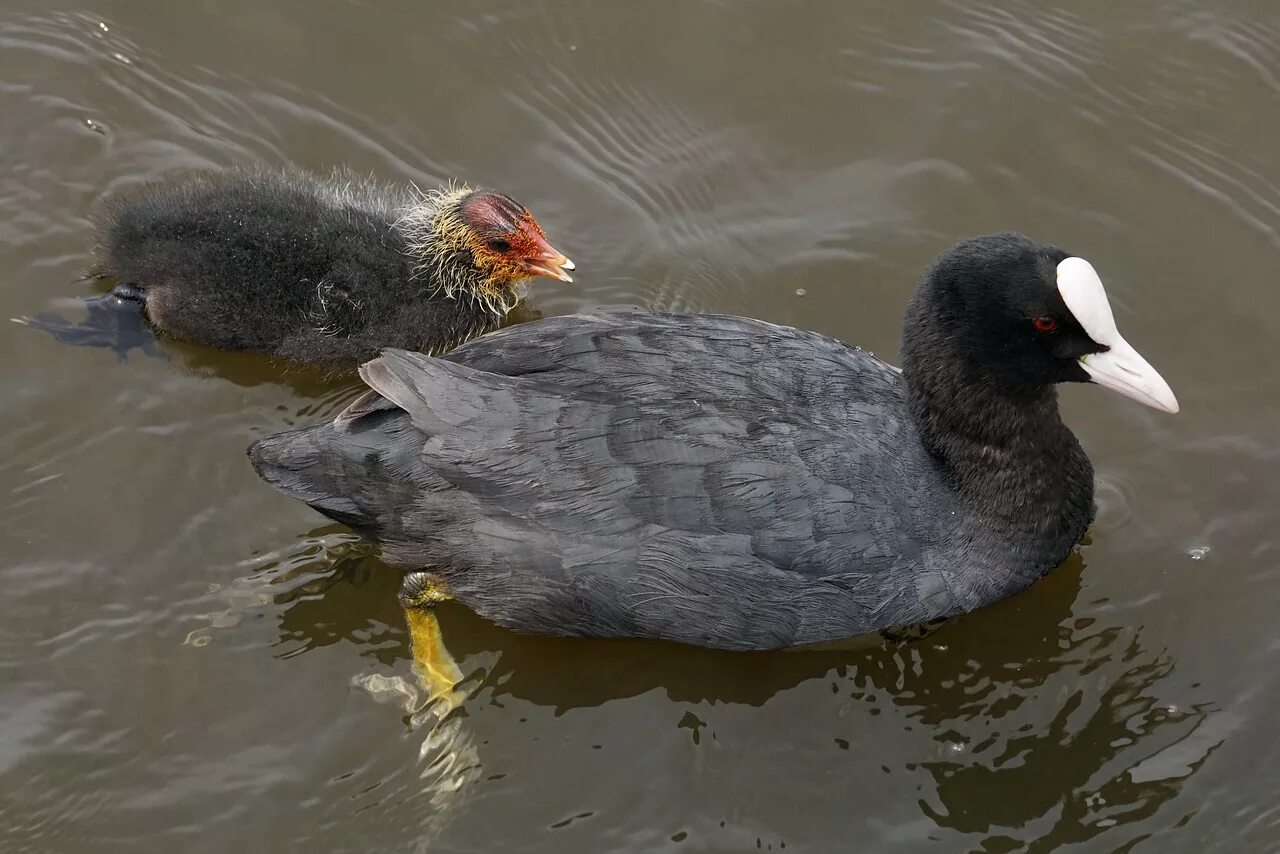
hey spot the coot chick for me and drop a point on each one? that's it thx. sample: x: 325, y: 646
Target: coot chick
x: 325, y: 271
x: 730, y: 483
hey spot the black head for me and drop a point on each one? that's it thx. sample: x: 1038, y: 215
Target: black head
x: 1014, y: 317
x: 990, y: 307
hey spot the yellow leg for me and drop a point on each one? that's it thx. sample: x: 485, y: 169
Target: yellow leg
x: 448, y: 753
x: 437, y: 671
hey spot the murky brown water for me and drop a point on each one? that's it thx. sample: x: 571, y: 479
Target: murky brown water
x: 192, y: 662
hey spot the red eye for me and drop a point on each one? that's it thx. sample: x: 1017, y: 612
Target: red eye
x: 1045, y: 324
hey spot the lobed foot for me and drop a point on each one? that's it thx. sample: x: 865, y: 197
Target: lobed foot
x: 423, y: 589
x: 116, y: 321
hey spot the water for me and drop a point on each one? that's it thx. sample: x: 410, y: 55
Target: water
x: 189, y: 661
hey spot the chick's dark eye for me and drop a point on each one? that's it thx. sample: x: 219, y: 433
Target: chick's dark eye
x: 1045, y: 324
x: 497, y: 244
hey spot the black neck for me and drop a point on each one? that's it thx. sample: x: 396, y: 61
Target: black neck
x: 1008, y: 457
x: 996, y: 434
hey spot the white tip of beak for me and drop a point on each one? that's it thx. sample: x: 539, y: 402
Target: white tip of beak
x: 1120, y: 368
x: 1123, y: 370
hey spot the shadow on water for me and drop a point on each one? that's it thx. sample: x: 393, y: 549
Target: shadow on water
x: 1045, y: 725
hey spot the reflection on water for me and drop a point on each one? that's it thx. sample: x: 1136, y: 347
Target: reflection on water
x: 178, y: 666
x: 1113, y: 748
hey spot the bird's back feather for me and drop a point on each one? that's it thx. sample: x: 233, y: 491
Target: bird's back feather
x: 572, y: 477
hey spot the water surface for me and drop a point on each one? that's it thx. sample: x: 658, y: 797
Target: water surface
x: 190, y: 661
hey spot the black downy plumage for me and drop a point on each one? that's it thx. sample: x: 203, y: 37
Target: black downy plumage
x: 325, y: 271
x: 730, y: 483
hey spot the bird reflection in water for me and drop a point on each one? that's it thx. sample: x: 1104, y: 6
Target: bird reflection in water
x: 1039, y: 724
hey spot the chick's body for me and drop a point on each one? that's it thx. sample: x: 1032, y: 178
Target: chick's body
x: 325, y: 271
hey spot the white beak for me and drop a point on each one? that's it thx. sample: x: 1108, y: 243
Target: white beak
x: 1120, y: 368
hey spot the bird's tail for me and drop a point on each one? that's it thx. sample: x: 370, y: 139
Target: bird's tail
x: 370, y: 469
x: 356, y: 469
x: 330, y: 470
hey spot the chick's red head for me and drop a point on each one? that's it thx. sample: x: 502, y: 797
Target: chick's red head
x: 506, y: 241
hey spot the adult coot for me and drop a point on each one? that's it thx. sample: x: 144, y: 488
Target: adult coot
x: 326, y: 271
x: 727, y: 482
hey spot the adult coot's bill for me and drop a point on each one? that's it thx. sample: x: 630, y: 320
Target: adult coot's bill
x: 730, y: 483
x: 324, y: 271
